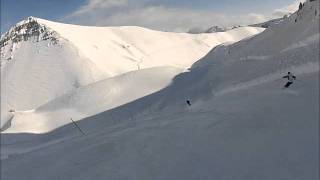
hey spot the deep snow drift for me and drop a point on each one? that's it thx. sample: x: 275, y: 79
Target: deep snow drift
x: 43, y: 60
x: 241, y: 125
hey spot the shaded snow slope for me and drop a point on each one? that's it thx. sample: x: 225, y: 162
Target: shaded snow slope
x: 219, y: 139
x: 43, y: 60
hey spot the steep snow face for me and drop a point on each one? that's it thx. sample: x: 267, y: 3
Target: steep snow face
x: 26, y: 30
x: 43, y: 60
x: 38, y: 73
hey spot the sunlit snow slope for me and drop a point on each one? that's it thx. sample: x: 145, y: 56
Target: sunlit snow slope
x: 92, y: 99
x: 43, y: 60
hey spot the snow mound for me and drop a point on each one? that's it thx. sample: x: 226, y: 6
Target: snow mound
x: 92, y: 99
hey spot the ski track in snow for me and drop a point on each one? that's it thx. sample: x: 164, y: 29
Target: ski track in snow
x: 259, y: 58
x: 310, y: 67
x: 9, y: 152
x: 312, y: 39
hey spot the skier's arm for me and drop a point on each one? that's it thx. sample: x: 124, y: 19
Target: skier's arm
x: 294, y: 77
x: 285, y: 76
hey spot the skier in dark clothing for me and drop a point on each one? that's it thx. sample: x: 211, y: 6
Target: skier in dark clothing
x: 290, y: 78
x: 188, y: 102
x: 300, y: 6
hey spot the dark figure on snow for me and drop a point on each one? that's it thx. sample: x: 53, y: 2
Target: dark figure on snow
x: 300, y: 6
x: 188, y: 102
x: 290, y: 78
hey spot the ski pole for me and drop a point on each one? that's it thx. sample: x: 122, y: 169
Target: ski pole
x: 77, y: 126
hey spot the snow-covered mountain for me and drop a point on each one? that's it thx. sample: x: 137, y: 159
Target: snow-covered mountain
x: 43, y: 60
x: 241, y: 123
x: 213, y: 29
x: 270, y: 23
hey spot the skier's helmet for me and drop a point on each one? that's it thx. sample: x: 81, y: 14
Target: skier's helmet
x: 289, y: 72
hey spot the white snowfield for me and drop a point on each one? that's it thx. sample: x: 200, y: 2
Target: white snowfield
x: 242, y: 124
x: 36, y: 72
x: 117, y: 50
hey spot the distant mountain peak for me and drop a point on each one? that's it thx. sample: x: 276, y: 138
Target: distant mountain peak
x: 214, y: 29
x: 27, y: 29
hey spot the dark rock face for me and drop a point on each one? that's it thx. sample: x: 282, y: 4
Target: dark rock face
x: 26, y: 29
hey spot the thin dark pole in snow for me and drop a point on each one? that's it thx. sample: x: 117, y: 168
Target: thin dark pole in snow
x: 112, y: 118
x: 77, y: 126
x: 131, y: 115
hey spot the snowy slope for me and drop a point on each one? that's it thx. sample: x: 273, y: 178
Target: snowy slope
x: 92, y: 99
x: 217, y: 140
x: 38, y: 73
x: 241, y: 125
x: 288, y: 46
x: 43, y: 60
x: 122, y: 49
